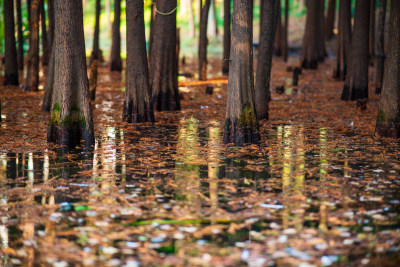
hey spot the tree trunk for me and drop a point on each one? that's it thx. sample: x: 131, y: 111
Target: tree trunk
x: 45, y: 47
x: 320, y: 30
x: 309, y: 52
x: 270, y: 9
x: 388, y: 119
x: 50, y: 12
x: 380, y: 52
x: 49, y: 86
x: 28, y: 8
x: 32, y: 78
x: 343, y: 41
x: 203, y: 41
x: 11, y: 63
x: 330, y: 20
x: 116, y: 62
x: 285, y: 48
x: 96, y: 50
x: 137, y: 105
x: 20, y: 37
x: 71, y: 115
x: 163, y: 57
x: 241, y: 123
x: 227, y: 36
x: 152, y: 19
x: 278, y: 43
x: 372, y: 30
x: 356, y: 84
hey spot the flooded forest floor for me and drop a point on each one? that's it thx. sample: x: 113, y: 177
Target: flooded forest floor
x: 319, y: 189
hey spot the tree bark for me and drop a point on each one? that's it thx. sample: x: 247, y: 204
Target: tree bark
x: 96, y: 50
x: 71, y: 115
x: 49, y: 86
x: 343, y: 41
x: 11, y: 63
x: 270, y: 9
x: 330, y: 20
x: 163, y: 58
x: 321, y: 30
x: 372, y: 30
x: 309, y: 52
x: 45, y: 47
x: 20, y: 37
x: 137, y: 105
x: 278, y: 43
x: 241, y: 123
x: 152, y: 19
x: 203, y: 41
x: 32, y: 78
x: 356, y: 84
x: 388, y: 119
x: 227, y: 36
x: 380, y: 52
x: 50, y: 12
x: 285, y: 48
x: 116, y: 62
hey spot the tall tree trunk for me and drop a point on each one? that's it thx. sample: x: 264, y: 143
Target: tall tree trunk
x: 388, y: 119
x: 380, y: 52
x: 96, y: 50
x: 71, y: 115
x: 330, y: 20
x: 152, y: 20
x: 11, y: 63
x: 343, y: 41
x: 137, y: 105
x: 227, y: 36
x: 45, y: 47
x: 49, y: 86
x: 50, y: 12
x: 278, y: 43
x: 372, y: 30
x: 203, y: 41
x: 270, y: 9
x: 241, y: 123
x: 32, y: 78
x: 20, y: 37
x: 116, y: 62
x: 321, y: 30
x: 28, y: 8
x: 163, y: 57
x: 310, y: 52
x: 285, y: 48
x: 356, y: 84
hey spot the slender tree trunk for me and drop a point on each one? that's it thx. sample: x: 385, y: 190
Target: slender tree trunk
x: 320, y: 38
x: 163, y: 57
x: 388, y: 119
x: 372, y: 30
x: 11, y: 63
x: 20, y: 37
x: 45, y: 47
x: 28, y: 8
x: 152, y: 19
x: 241, y: 123
x: 330, y: 20
x: 96, y: 50
x: 49, y: 86
x: 309, y: 52
x: 285, y: 47
x: 116, y: 62
x: 278, y: 44
x: 343, y: 41
x: 227, y: 36
x: 137, y: 105
x: 380, y: 52
x: 71, y: 115
x: 270, y: 9
x: 356, y: 84
x: 32, y: 78
x: 50, y: 12
x: 203, y: 41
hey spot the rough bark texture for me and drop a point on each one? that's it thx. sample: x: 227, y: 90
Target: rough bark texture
x: 20, y: 37
x: 372, y: 30
x: 285, y: 47
x: 163, y: 58
x: 116, y: 62
x: 241, y: 123
x: 49, y: 86
x: 32, y: 78
x: 278, y: 44
x: 227, y: 36
x: 356, y: 84
x: 50, y: 12
x: 388, y: 119
x: 71, y: 115
x: 380, y: 52
x: 330, y: 20
x: 45, y: 46
x: 203, y: 41
x: 96, y: 50
x: 11, y: 64
x: 270, y: 9
x: 343, y: 41
x: 137, y: 105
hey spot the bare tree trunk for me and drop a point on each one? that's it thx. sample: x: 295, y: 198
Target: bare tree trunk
x: 203, y: 41
x: 343, y: 50
x: 380, y: 52
x: 71, y: 114
x: 285, y: 47
x: 49, y: 86
x: 388, y: 119
x: 96, y: 50
x: 32, y: 78
x: 309, y: 52
x: 116, y: 62
x: 241, y: 123
x: 372, y: 30
x: 320, y: 31
x: 152, y: 19
x: 11, y: 63
x: 137, y: 104
x: 45, y: 47
x: 227, y: 36
x: 278, y: 43
x: 330, y: 20
x: 50, y: 11
x: 20, y: 37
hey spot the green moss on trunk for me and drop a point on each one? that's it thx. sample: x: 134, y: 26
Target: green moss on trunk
x: 74, y: 119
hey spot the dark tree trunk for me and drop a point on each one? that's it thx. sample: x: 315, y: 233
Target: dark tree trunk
x: 32, y: 78
x: 356, y: 84
x: 28, y: 7
x: 388, y: 119
x: 203, y: 40
x: 372, y: 30
x: 20, y: 37
x: 321, y: 31
x: 50, y: 12
x: 241, y: 123
x: 137, y: 105
x: 278, y: 43
x: 270, y: 9
x: 116, y: 62
x: 96, y: 50
x: 163, y: 57
x: 152, y: 18
x: 71, y: 115
x: 45, y: 47
x: 380, y: 52
x: 11, y: 63
x: 343, y: 41
x: 330, y: 20
x: 227, y: 36
x: 285, y: 47
x: 49, y: 86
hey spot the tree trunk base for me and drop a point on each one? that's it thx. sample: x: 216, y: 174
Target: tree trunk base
x: 345, y: 93
x: 240, y: 134
x: 131, y: 114
x: 388, y: 129
x: 11, y: 79
x: 69, y: 137
x: 166, y: 102
x: 116, y: 66
x: 312, y: 64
